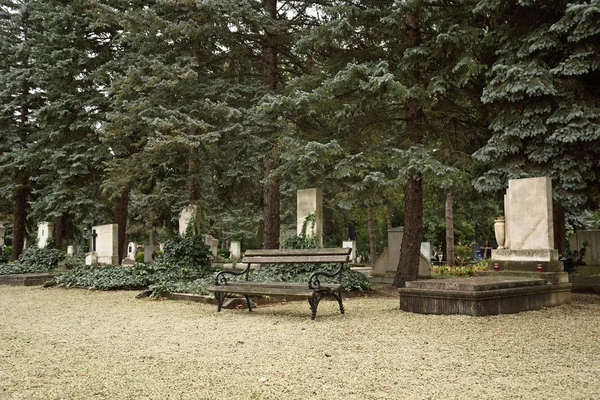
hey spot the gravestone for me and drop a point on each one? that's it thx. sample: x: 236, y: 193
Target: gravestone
x: 149, y: 253
x: 2, y: 232
x: 186, y: 215
x: 131, y: 251
x: 592, y: 250
x: 105, y: 243
x: 426, y: 250
x: 235, y: 249
x: 45, y: 231
x: 386, y: 265
x: 212, y: 243
x: 310, y: 201
x: 70, y: 250
x: 350, y: 244
x: 91, y: 258
x: 529, y: 229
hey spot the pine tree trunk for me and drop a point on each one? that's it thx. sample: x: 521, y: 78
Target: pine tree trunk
x: 560, y: 231
x: 192, y: 177
x: 271, y: 204
x: 19, y: 220
x: 408, y: 265
x: 388, y: 215
x: 450, y: 257
x: 271, y: 196
x: 372, y: 237
x: 58, y: 231
x: 120, y: 216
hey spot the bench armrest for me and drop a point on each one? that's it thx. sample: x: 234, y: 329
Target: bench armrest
x: 313, y: 280
x: 220, y: 279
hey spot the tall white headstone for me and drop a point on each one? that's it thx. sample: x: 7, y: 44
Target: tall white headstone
x: 186, y: 215
x: 235, y: 248
x: 310, y: 201
x: 45, y: 231
x: 106, y: 241
x: 529, y: 228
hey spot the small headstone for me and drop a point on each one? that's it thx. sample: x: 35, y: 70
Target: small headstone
x: 131, y: 250
x: 45, y: 231
x: 148, y: 254
x: 70, y: 250
x: 235, y: 248
x: 91, y: 258
x: 350, y: 244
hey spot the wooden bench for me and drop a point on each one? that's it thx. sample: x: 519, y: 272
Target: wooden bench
x: 313, y: 290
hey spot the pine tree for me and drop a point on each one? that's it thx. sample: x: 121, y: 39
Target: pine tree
x: 544, y: 86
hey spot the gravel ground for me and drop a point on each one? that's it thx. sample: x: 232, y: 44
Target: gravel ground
x: 78, y: 344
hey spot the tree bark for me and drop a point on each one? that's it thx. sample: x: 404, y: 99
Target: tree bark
x: 450, y: 257
x: 408, y: 265
x: 121, y: 205
x: 58, y: 231
x: 271, y: 195
x: 560, y: 231
x: 372, y: 237
x: 19, y: 220
x: 271, y: 204
x: 192, y: 177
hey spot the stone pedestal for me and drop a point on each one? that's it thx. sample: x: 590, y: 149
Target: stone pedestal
x: 91, y: 258
x: 45, y: 231
x: 310, y: 201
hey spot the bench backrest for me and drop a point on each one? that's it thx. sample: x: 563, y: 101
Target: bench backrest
x: 316, y: 256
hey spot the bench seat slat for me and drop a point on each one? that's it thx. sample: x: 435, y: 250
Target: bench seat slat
x: 295, y: 259
x: 303, y: 291
x: 296, y: 252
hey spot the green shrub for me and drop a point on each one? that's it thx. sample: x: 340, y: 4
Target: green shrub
x: 187, y: 251
x: 3, y: 257
x: 139, y: 257
x: 445, y: 271
x: 7, y: 252
x: 35, y: 259
x: 72, y: 262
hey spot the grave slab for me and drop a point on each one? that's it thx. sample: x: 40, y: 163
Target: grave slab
x: 482, y: 296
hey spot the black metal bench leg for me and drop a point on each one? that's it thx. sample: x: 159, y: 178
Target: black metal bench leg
x: 249, y: 303
x: 314, y: 303
x: 338, y: 297
x: 220, y: 297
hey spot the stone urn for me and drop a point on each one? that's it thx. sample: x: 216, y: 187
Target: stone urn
x: 499, y: 231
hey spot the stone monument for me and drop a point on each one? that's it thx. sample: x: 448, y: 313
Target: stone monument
x: 310, y: 201
x: 105, y: 243
x: 131, y: 251
x: 586, y: 277
x: 235, y: 250
x: 213, y: 243
x: 529, y: 230
x: 386, y: 265
x: 186, y: 215
x: 45, y: 231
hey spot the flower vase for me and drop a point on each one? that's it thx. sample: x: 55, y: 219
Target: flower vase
x: 499, y: 231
